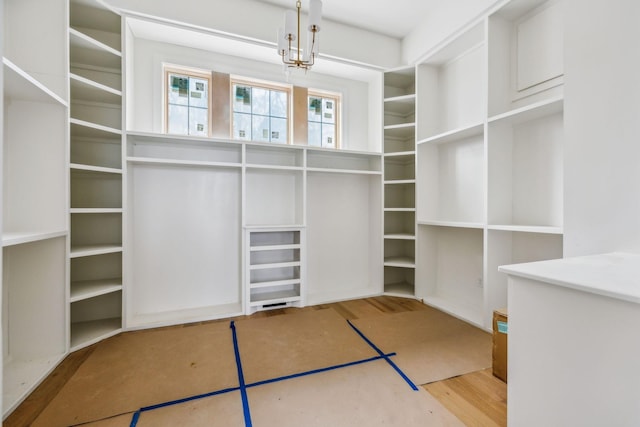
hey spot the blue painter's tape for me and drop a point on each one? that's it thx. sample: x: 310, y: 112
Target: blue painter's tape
x: 134, y: 419
x: 388, y: 360
x: 503, y: 327
x: 320, y: 370
x: 188, y: 399
x: 243, y: 388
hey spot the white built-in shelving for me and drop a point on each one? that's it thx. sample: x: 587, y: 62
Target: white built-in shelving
x: 96, y: 172
x: 34, y: 194
x: 489, y: 128
x: 274, y: 268
x: 204, y: 192
x: 399, y: 181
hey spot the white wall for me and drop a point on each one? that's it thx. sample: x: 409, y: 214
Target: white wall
x: 440, y: 24
x: 147, y: 84
x: 259, y: 21
x: 602, y: 127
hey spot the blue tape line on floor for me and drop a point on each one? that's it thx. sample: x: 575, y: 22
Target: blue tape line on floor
x: 320, y: 370
x: 389, y: 361
x: 243, y: 388
x: 134, y: 419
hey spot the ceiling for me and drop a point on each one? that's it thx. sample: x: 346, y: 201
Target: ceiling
x: 394, y: 18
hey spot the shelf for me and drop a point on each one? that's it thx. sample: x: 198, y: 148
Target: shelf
x: 402, y: 289
x: 455, y: 134
x: 99, y: 169
x: 399, y: 209
x: 456, y: 224
x: 95, y: 210
x: 531, y: 112
x: 90, y: 332
x: 149, y: 161
x: 274, y: 247
x: 87, y: 90
x: 90, y: 250
x: 18, y: 238
x: 400, y: 236
x: 258, y: 285
x: 19, y: 85
x: 87, y: 50
x: 91, y: 130
x: 92, y: 288
x: 400, y: 155
x: 404, y: 262
x: 399, y: 181
x: 403, y: 130
x: 399, y: 82
x: 274, y: 265
x: 527, y: 228
x: 270, y: 167
x: 265, y: 298
x: 190, y: 315
x: 344, y: 171
x: 21, y: 377
x: 343, y: 161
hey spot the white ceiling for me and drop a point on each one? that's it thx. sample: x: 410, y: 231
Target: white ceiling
x: 395, y: 18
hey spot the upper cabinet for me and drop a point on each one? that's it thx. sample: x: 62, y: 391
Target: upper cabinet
x: 526, y: 54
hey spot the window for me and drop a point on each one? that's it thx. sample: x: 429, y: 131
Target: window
x: 260, y: 112
x: 323, y: 118
x: 187, y: 102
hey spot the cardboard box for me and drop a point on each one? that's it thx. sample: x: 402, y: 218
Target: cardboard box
x: 500, y: 334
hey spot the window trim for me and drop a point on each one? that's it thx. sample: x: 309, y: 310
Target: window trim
x: 263, y: 84
x: 337, y: 99
x: 190, y: 72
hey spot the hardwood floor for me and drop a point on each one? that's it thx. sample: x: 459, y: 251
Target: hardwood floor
x: 477, y: 399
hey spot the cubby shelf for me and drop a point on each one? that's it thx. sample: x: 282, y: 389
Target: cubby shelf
x: 86, y: 289
x: 397, y: 261
x: 91, y: 250
x: 455, y: 134
x: 85, y: 49
x: 456, y: 224
x: 526, y: 228
x: 97, y: 169
x: 90, y: 129
x: 92, y: 331
x: 531, y: 112
x: 194, y: 163
x: 84, y: 89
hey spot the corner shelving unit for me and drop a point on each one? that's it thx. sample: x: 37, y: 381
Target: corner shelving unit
x: 95, y: 81
x: 34, y: 195
x: 399, y: 181
x: 489, y: 157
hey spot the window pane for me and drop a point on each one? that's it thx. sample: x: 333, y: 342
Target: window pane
x: 178, y: 120
x: 279, y: 130
x: 260, y: 102
x: 242, y: 126
x: 198, y: 123
x: 278, y: 103
x: 260, y: 128
x: 328, y: 111
x: 178, y: 89
x: 328, y: 136
x: 198, y: 90
x: 315, y: 134
x: 315, y: 109
x: 241, y: 99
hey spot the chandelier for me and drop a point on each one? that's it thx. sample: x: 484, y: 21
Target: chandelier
x: 293, y: 56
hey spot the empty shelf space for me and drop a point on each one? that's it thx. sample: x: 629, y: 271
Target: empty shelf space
x: 274, y: 247
x: 455, y: 134
x: 88, y: 90
x: 274, y: 283
x: 18, y: 84
x: 457, y: 224
x: 275, y: 265
x: 399, y: 288
x: 16, y: 238
x: 91, y: 288
x: 400, y: 261
x: 92, y: 129
x: 90, y: 168
x: 92, y: 331
x: 78, y: 39
x: 527, y: 228
x: 275, y: 297
x: 90, y: 250
x: 400, y: 236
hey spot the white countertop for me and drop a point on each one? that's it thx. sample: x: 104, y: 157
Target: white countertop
x: 616, y: 275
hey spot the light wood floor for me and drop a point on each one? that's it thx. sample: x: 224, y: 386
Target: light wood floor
x: 478, y: 399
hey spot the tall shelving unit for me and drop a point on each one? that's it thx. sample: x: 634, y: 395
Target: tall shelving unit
x: 95, y: 80
x: 399, y: 181
x: 489, y: 157
x: 34, y: 195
